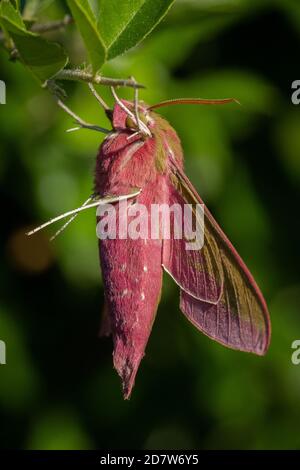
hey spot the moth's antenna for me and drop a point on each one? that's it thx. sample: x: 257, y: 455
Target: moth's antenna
x: 99, y: 202
x: 78, y: 120
x: 143, y: 128
x: 192, y: 101
x: 59, y: 231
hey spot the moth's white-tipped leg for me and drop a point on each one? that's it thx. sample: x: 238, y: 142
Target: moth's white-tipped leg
x: 99, y: 202
x: 98, y: 97
x: 121, y: 104
x: 73, y: 129
x: 136, y: 107
x: 133, y: 135
x: 142, y: 128
x: 59, y: 231
x: 81, y: 122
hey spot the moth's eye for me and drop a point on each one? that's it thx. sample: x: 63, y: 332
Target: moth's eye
x: 130, y: 123
x: 149, y: 120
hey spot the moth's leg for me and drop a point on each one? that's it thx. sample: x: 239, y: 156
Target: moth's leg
x: 136, y: 107
x: 59, y: 231
x: 72, y: 213
x: 87, y: 205
x: 143, y: 128
x: 82, y: 124
x: 121, y: 104
x: 133, y: 135
x: 99, y: 98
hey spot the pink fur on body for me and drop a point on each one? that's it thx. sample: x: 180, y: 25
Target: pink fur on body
x: 218, y: 293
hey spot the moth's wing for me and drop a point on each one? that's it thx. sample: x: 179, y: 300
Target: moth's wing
x: 240, y: 318
x: 199, y: 273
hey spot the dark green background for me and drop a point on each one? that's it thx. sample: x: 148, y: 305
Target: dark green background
x: 58, y: 389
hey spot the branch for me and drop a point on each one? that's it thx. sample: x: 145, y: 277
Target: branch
x: 52, y: 25
x: 46, y: 27
x: 97, y: 79
x: 77, y: 74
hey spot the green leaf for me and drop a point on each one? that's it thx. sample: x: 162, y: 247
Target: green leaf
x: 44, y: 58
x: 86, y: 22
x: 95, y: 5
x: 111, y: 27
x: 16, y: 3
x: 123, y: 24
x: 31, y: 8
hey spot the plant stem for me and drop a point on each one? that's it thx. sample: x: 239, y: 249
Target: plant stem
x: 71, y: 74
x: 52, y: 25
x: 97, y: 79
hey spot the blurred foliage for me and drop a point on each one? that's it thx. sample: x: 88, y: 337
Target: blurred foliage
x: 42, y: 57
x: 58, y: 389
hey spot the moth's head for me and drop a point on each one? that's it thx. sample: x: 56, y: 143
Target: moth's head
x: 121, y: 119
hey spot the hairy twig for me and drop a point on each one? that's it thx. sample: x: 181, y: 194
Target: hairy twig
x: 97, y: 79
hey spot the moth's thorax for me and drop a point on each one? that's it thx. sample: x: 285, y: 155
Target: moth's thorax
x: 127, y: 159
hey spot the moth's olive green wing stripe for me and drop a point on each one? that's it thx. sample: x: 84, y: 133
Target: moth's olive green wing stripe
x: 198, y: 272
x: 240, y: 319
